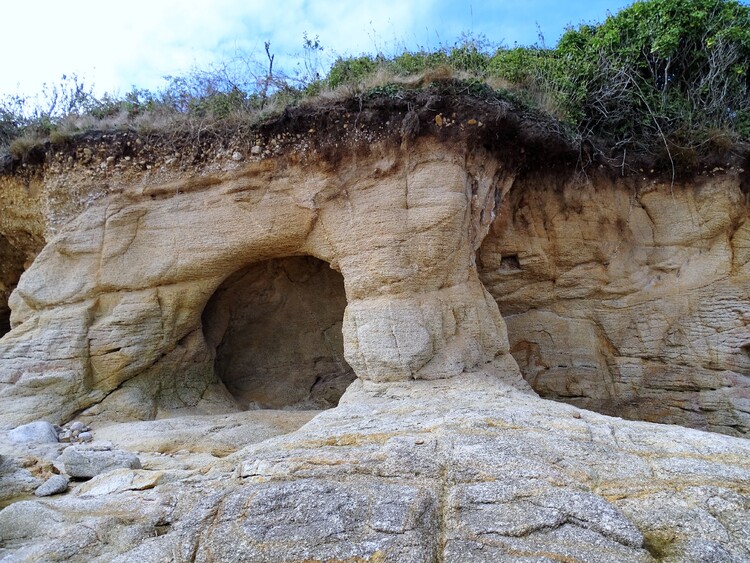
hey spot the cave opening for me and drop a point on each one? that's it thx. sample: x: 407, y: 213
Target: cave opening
x: 4, y: 319
x: 275, y: 331
x: 12, y: 261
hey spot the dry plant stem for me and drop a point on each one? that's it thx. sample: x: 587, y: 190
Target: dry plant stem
x: 658, y: 127
x: 269, y: 76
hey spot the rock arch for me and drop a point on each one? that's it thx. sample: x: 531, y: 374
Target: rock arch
x: 112, y: 306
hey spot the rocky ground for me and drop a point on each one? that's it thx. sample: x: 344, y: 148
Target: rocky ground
x: 475, y: 468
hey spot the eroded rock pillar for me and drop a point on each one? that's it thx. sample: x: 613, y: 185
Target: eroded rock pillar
x: 416, y: 308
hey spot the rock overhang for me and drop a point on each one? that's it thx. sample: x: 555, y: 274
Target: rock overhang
x: 400, y: 215
x: 481, y: 145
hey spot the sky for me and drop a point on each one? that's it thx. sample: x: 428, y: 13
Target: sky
x: 115, y: 46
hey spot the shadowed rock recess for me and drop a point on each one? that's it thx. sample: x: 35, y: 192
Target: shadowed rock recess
x: 198, y: 303
x: 276, y: 329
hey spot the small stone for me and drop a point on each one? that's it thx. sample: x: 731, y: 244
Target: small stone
x: 439, y: 120
x: 85, y: 436
x: 53, y: 486
x: 237, y: 156
x: 39, y: 432
x: 472, y: 122
x: 77, y: 426
x: 256, y: 150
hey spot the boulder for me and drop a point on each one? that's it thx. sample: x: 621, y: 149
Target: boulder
x: 38, y: 432
x: 86, y: 461
x: 120, y: 480
x: 54, y: 485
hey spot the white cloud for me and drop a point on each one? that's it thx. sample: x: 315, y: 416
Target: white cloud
x: 116, y: 45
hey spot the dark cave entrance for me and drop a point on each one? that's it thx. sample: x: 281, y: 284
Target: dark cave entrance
x: 275, y: 329
x: 4, y: 319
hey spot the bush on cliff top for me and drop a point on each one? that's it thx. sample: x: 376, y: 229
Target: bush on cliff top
x: 659, y: 75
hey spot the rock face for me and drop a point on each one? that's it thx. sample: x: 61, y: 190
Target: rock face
x: 89, y: 461
x: 110, y: 313
x: 629, y: 298
x: 464, y: 469
x: 178, y: 298
x: 22, y: 235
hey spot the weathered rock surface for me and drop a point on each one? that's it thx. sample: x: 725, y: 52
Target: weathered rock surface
x: 22, y: 234
x: 38, y: 432
x: 218, y: 435
x: 186, y: 297
x: 629, y: 298
x: 53, y: 486
x: 276, y: 329
x: 86, y: 461
x: 469, y: 469
x: 120, y: 480
x: 109, y: 316
x: 185, y: 443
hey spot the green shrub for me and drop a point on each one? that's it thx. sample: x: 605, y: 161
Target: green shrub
x: 658, y: 75
x: 408, y: 63
x: 470, y: 55
x: 660, y: 67
x: 352, y: 70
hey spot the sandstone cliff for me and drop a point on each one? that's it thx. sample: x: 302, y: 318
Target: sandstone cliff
x: 629, y: 297
x: 626, y: 295
x: 190, y: 280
